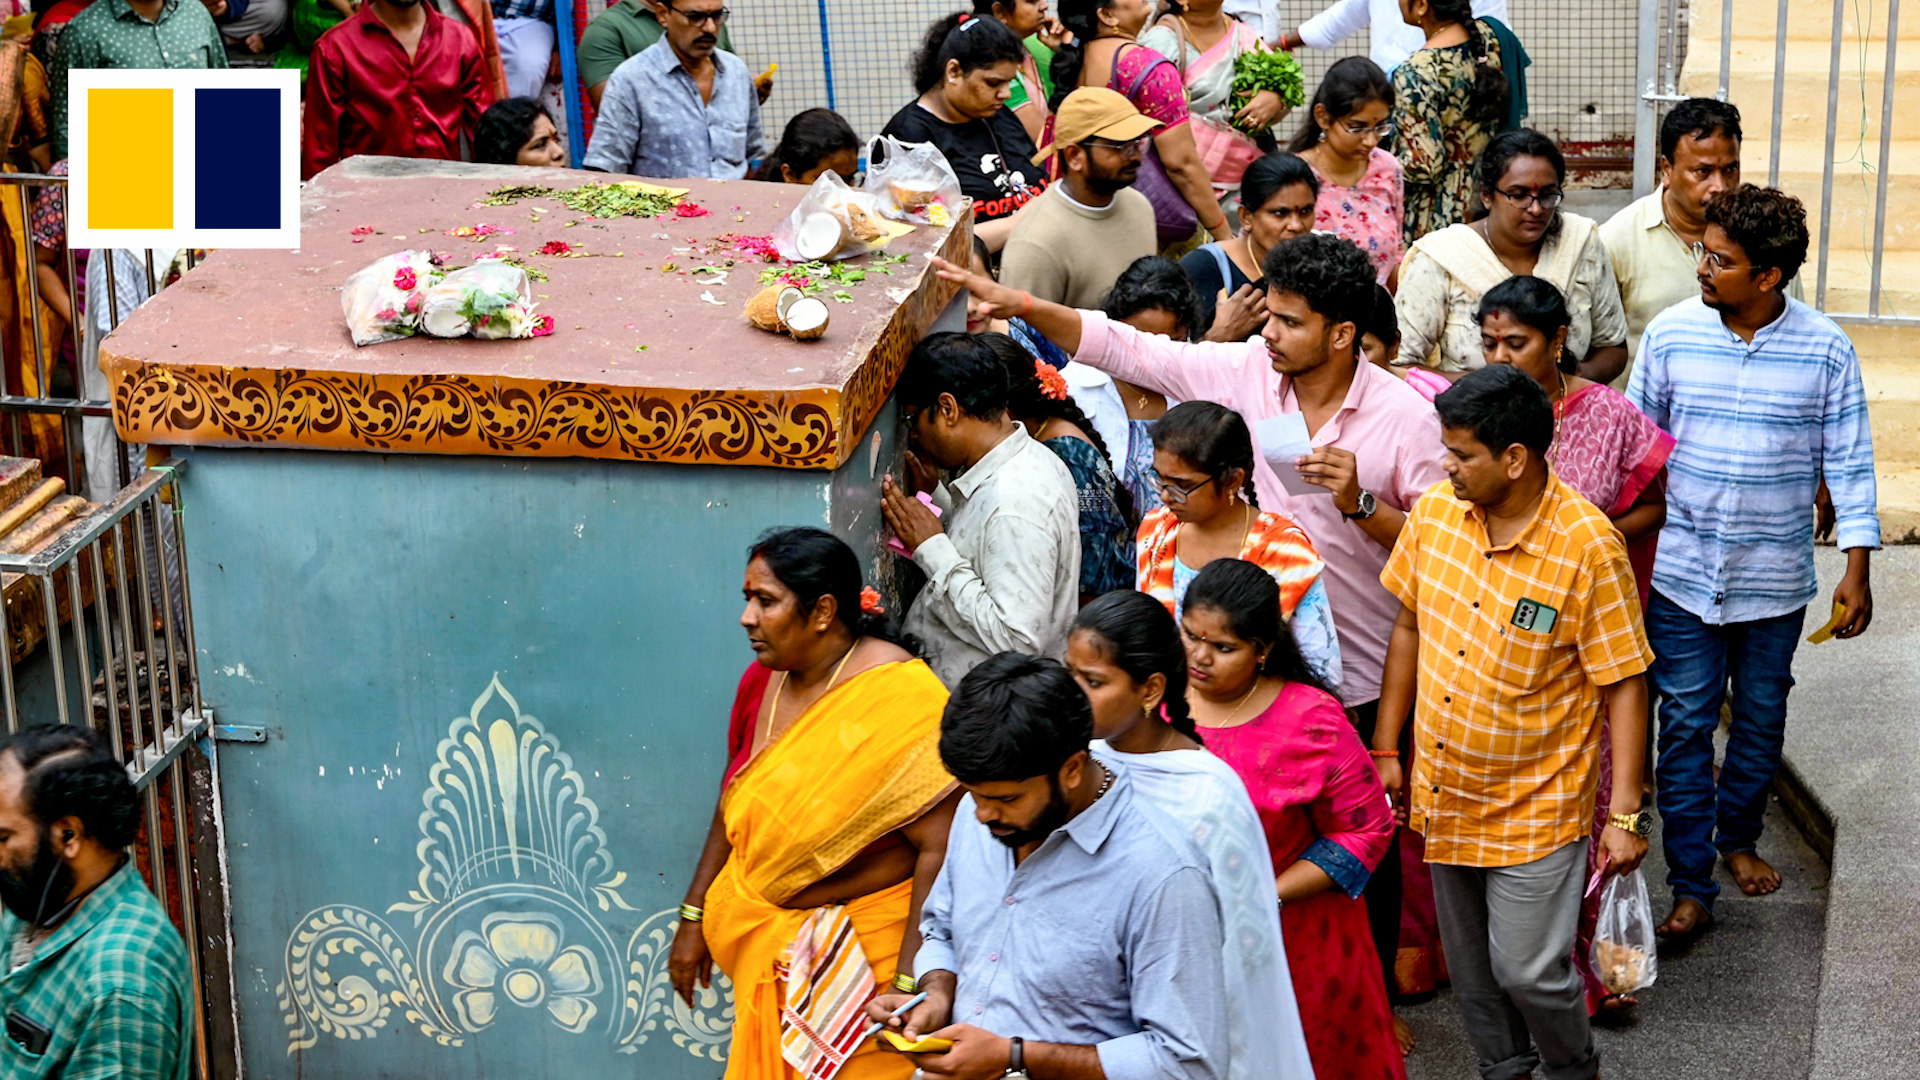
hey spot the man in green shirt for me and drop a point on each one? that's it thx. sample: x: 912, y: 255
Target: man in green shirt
x: 96, y: 979
x: 132, y: 34
x: 621, y: 31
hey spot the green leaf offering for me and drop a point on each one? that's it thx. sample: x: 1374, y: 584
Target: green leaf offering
x: 1260, y: 70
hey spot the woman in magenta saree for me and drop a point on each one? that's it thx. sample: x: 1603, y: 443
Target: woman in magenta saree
x: 1320, y: 803
x: 1611, y: 454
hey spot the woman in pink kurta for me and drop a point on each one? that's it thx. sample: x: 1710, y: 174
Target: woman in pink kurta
x: 1320, y: 802
x: 1361, y: 192
x: 1610, y: 453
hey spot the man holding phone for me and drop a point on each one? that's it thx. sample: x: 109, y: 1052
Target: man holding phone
x: 1073, y: 932
x: 96, y: 982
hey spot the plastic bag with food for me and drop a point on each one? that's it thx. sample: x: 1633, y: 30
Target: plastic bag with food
x: 833, y: 221
x: 487, y: 300
x: 912, y: 181
x: 383, y: 300
x: 1623, y: 941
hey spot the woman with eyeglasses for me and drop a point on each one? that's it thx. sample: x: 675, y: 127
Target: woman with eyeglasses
x: 1361, y: 195
x: 1203, y: 470
x: 1522, y: 181
x: 1449, y: 99
x: 1279, y: 194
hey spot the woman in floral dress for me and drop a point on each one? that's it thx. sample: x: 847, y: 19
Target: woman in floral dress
x: 1449, y: 99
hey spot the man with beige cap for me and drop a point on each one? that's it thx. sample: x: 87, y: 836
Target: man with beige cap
x: 1071, y: 243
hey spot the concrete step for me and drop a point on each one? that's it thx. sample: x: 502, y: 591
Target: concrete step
x: 1807, y: 20
x: 1803, y: 107
x: 1850, y: 278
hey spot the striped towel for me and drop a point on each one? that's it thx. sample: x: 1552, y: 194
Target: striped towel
x: 826, y: 984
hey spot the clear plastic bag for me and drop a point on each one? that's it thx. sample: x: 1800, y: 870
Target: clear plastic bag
x: 383, y: 300
x: 1623, y: 942
x: 487, y: 300
x: 833, y: 221
x: 912, y: 181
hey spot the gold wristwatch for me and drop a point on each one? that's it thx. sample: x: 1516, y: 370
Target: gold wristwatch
x: 1639, y: 824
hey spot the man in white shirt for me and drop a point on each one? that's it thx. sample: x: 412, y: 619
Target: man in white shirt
x: 1003, y: 567
x: 1392, y: 41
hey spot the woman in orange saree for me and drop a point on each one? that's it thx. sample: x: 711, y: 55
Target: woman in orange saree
x: 833, y: 817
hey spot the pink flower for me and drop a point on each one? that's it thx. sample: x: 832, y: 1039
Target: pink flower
x: 690, y: 210
x: 489, y: 230
x: 556, y: 247
x: 488, y: 256
x: 404, y: 279
x: 363, y: 230
x: 415, y: 302
x: 542, y: 325
x: 387, y: 313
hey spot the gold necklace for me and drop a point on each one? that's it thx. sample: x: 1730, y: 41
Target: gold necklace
x: 1228, y: 722
x: 773, y: 713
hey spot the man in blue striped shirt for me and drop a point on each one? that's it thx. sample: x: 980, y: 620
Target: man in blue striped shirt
x: 1764, y: 395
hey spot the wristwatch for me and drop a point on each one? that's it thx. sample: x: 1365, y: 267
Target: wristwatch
x: 1368, y: 504
x: 1016, y: 1060
x: 1639, y: 823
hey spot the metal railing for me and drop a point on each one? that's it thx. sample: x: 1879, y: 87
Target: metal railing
x: 1662, y: 58
x: 119, y: 655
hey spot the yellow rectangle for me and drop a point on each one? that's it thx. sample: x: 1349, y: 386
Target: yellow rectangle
x: 129, y: 159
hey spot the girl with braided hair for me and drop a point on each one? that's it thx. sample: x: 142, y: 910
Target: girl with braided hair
x: 1037, y: 397
x: 1203, y: 468
x: 1449, y: 99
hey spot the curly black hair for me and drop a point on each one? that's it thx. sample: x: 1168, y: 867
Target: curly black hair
x: 1768, y: 224
x: 72, y: 772
x: 504, y: 128
x: 1329, y: 272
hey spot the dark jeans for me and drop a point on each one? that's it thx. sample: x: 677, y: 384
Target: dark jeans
x: 1384, y: 888
x: 1693, y: 664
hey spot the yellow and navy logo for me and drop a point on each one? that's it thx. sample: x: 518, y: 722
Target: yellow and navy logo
x: 176, y: 159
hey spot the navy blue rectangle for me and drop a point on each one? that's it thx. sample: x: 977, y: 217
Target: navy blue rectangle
x: 236, y: 159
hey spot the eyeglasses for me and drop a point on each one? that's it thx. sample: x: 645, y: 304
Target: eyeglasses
x: 701, y: 18
x: 1136, y: 148
x: 1383, y: 130
x: 1171, y: 493
x: 1546, y: 200
x: 1715, y: 264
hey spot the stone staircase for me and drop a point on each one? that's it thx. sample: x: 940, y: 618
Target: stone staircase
x: 1888, y: 354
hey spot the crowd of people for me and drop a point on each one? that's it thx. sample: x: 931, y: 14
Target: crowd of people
x: 1303, y: 542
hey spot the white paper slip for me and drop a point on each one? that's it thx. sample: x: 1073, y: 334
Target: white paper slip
x: 1283, y: 440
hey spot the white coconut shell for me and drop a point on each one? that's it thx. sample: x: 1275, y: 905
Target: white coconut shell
x: 819, y: 236
x: 806, y: 319
x: 785, y: 300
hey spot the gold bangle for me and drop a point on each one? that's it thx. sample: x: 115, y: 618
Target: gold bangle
x: 905, y: 983
x: 689, y: 913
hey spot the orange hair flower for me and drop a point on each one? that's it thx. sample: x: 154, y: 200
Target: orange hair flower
x: 1052, y: 383
x: 870, y: 601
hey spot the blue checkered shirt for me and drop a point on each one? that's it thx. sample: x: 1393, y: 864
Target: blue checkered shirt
x: 652, y: 122
x: 1758, y: 425
x: 111, y: 984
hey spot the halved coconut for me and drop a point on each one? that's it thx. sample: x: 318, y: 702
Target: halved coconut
x: 819, y: 236
x: 788, y: 295
x: 806, y: 318
x: 763, y: 311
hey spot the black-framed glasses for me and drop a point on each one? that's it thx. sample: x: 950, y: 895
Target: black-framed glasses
x: 1546, y: 200
x: 1383, y: 130
x: 701, y: 18
x: 1171, y: 493
x: 1715, y: 264
x: 1136, y: 148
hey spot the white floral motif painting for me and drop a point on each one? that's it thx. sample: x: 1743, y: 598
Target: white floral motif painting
x: 508, y: 912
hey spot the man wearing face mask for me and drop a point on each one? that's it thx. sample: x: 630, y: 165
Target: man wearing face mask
x: 681, y: 107
x: 397, y: 78
x: 1073, y: 932
x: 1074, y: 241
x: 96, y: 982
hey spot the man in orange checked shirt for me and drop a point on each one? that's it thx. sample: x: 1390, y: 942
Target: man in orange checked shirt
x: 1519, y: 618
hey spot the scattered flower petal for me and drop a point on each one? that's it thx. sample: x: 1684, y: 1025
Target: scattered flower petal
x: 690, y: 210
x: 708, y: 297
x: 363, y: 230
x: 556, y: 247
x: 543, y: 325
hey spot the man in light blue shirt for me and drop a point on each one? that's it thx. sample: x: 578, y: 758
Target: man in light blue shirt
x: 1764, y: 395
x: 681, y: 107
x: 1073, y: 932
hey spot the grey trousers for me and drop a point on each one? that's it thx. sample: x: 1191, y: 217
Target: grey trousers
x: 1508, y: 933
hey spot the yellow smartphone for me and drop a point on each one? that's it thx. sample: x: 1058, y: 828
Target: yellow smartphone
x: 924, y: 1046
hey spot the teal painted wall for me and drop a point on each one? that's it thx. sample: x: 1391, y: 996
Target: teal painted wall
x: 549, y: 648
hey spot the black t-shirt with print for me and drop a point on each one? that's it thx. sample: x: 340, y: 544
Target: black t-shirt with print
x: 993, y: 158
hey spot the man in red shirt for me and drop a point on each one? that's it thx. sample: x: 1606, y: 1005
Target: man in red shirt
x: 397, y: 78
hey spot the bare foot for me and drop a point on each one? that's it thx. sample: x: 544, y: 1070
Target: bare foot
x: 1688, y: 918
x: 1618, y: 1003
x: 1756, y: 878
x: 1404, y: 1034
x: 256, y: 43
